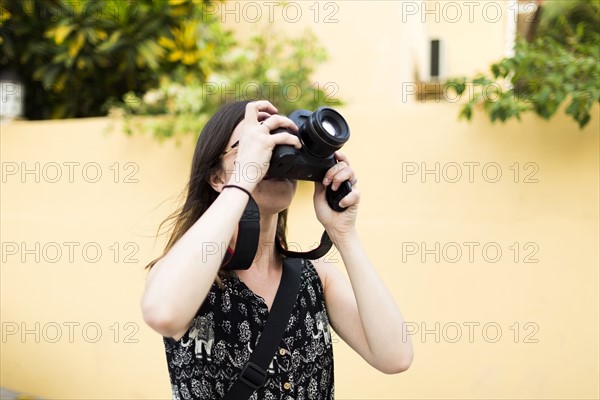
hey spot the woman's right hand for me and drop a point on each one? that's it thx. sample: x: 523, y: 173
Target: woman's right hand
x: 256, y: 142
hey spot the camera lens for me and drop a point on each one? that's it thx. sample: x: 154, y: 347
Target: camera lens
x: 325, y: 132
x: 328, y: 126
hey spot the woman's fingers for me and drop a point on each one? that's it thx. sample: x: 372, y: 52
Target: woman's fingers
x: 253, y: 110
x: 346, y: 174
x: 351, y: 198
x: 257, y: 141
x: 339, y: 173
x: 263, y: 115
x: 341, y: 157
x: 279, y: 121
x: 286, y: 138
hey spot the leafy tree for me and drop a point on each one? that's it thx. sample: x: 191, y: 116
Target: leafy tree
x: 145, y: 57
x: 74, y: 56
x: 277, y: 69
x: 560, y: 63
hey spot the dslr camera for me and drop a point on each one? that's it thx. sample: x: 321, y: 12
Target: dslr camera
x: 321, y: 133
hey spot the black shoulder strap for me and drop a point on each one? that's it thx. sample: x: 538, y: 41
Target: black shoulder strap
x: 247, y: 239
x: 254, y: 373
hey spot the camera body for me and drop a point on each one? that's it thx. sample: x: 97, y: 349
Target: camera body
x: 321, y: 133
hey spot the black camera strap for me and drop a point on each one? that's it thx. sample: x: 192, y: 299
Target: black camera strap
x: 247, y: 239
x: 254, y: 372
x: 247, y: 242
x: 313, y: 254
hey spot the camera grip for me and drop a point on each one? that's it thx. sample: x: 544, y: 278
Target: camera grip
x: 335, y: 196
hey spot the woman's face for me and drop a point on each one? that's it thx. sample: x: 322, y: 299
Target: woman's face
x: 271, y: 195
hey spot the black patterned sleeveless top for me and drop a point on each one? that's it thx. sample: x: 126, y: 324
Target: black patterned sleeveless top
x: 207, y: 359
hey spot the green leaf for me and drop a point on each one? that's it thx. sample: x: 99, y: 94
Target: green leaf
x: 561, y: 64
x: 61, y: 33
x: 467, y: 111
x: 76, y: 45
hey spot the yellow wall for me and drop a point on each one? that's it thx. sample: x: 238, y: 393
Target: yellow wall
x: 376, y: 48
x: 558, y: 214
x: 557, y: 217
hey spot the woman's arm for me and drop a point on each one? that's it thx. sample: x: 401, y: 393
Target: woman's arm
x: 179, y: 282
x: 361, y: 311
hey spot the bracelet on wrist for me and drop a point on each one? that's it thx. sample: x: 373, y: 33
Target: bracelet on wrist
x: 238, y: 187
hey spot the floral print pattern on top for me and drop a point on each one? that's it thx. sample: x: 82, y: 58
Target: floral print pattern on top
x: 206, y: 361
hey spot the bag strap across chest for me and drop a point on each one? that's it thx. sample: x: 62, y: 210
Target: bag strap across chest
x: 254, y: 372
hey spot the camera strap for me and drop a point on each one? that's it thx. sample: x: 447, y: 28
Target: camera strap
x: 247, y: 242
x: 313, y: 254
x: 254, y: 373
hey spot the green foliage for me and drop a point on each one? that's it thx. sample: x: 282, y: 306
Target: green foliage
x: 166, y: 59
x: 75, y: 55
x: 277, y: 69
x: 561, y: 64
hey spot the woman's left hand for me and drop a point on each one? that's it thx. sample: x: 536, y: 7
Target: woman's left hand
x: 337, y: 224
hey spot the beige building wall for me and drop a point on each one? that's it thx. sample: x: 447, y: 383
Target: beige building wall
x: 486, y: 235
x: 378, y: 49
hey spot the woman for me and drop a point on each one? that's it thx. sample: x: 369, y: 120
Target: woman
x: 211, y: 319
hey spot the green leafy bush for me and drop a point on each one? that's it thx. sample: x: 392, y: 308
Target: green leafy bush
x: 278, y: 69
x: 74, y: 56
x: 560, y: 64
x: 171, y: 59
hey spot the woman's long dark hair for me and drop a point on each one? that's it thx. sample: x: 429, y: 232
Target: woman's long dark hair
x: 207, y: 161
